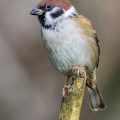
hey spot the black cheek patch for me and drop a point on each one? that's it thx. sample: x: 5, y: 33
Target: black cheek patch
x: 57, y: 14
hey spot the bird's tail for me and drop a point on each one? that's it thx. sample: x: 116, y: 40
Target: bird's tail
x: 96, y: 99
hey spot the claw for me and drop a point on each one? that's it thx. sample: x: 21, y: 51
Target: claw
x: 78, y: 70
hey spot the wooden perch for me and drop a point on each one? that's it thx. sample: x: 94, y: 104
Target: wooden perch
x: 72, y: 102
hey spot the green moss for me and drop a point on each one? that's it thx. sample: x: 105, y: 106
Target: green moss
x: 72, y: 102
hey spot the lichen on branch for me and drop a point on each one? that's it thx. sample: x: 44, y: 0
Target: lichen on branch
x: 72, y: 101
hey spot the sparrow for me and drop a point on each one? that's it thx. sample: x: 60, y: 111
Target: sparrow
x: 70, y: 41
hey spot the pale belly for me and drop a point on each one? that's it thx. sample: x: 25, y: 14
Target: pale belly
x: 69, y: 49
x: 67, y: 56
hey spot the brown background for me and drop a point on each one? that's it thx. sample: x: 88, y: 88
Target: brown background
x: 30, y: 87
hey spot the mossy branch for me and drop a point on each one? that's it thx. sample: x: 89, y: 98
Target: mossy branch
x: 72, y: 102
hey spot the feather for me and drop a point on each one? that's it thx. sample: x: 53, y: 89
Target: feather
x: 65, y: 4
x: 89, y: 31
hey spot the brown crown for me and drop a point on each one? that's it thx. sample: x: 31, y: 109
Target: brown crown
x: 65, y: 4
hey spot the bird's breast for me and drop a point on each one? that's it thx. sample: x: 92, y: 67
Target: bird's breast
x: 67, y: 46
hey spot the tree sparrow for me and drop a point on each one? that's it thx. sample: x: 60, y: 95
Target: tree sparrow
x: 70, y: 41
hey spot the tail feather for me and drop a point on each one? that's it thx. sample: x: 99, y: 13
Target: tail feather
x: 96, y: 99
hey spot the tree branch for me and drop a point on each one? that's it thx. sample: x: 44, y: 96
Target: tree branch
x: 72, y: 102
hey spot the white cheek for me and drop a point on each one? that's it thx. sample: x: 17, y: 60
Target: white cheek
x: 49, y: 19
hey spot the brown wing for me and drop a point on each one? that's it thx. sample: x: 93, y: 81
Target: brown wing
x: 98, y: 45
x: 89, y: 31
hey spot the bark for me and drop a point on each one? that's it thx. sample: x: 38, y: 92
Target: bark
x: 72, y: 101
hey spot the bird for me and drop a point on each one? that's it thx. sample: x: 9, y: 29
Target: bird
x: 71, y: 43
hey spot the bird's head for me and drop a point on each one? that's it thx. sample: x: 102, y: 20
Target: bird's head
x: 50, y: 12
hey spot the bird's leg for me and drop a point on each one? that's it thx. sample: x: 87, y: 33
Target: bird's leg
x: 66, y: 87
x: 79, y: 71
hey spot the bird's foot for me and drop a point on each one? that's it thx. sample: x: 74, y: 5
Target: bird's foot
x: 65, y: 90
x: 78, y: 70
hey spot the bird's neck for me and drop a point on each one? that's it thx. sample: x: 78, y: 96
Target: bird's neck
x: 71, y: 12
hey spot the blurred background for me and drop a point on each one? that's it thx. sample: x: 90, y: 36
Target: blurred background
x: 30, y: 87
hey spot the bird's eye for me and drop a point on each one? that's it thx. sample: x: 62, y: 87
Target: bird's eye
x: 49, y: 7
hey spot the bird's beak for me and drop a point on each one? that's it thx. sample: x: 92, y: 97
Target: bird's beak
x: 36, y: 11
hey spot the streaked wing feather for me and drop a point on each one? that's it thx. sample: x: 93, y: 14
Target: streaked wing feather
x: 86, y: 24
